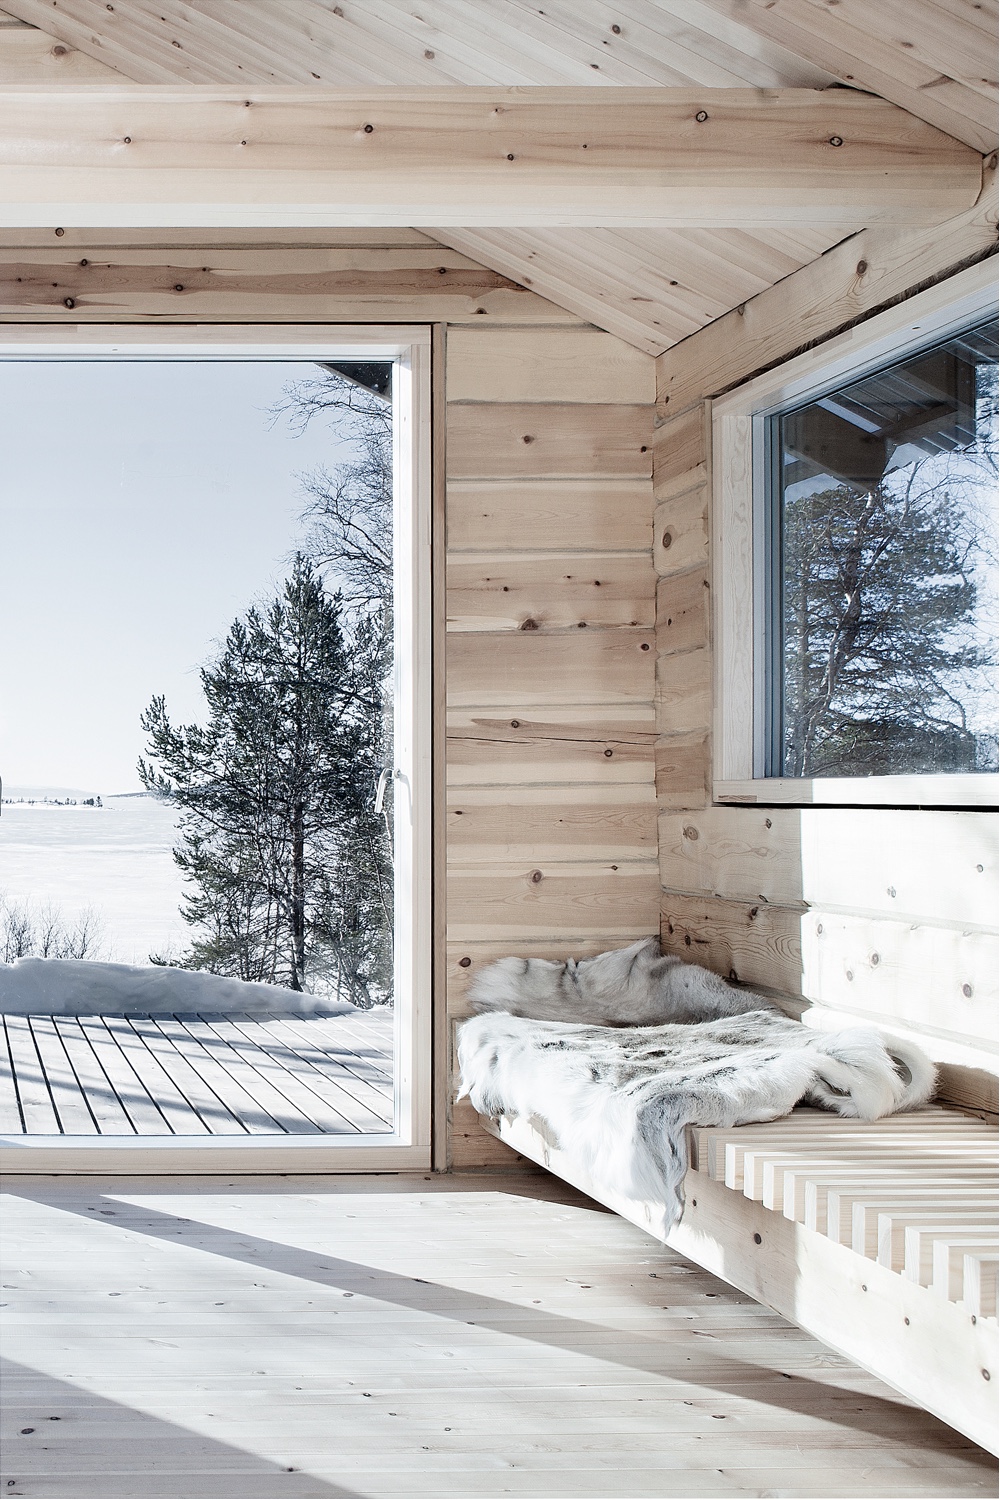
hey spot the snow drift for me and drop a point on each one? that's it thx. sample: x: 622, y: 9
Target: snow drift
x: 79, y: 987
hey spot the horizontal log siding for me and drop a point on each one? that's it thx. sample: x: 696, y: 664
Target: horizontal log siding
x: 551, y: 602
x: 850, y: 915
x: 550, y: 822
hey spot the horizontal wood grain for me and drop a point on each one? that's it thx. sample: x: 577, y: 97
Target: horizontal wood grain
x: 936, y: 976
x: 606, y: 824
x: 525, y: 440
x: 753, y: 943
x: 572, y: 364
x: 867, y: 271
x: 940, y: 866
x: 526, y: 668
x: 591, y: 744
x: 205, y: 155
x: 549, y: 514
x: 575, y: 590
x: 682, y: 611
x: 363, y: 282
x: 512, y: 902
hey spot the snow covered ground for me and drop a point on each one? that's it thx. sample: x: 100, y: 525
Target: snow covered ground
x: 115, y: 859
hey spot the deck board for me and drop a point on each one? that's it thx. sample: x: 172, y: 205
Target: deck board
x: 196, y: 1075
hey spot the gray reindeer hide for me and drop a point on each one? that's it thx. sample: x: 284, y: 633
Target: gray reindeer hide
x: 636, y: 986
x: 619, y: 1098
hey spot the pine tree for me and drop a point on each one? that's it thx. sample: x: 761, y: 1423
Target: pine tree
x: 881, y: 655
x: 273, y: 789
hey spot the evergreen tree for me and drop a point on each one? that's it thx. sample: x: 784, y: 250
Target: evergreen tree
x: 274, y: 792
x: 881, y: 651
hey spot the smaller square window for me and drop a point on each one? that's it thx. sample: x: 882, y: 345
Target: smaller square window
x: 854, y: 563
x: 879, y: 552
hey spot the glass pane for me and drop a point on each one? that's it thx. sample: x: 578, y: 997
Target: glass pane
x: 196, y: 840
x: 884, y: 508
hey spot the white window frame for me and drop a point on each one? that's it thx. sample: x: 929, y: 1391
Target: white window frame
x: 738, y: 579
x: 408, y: 1148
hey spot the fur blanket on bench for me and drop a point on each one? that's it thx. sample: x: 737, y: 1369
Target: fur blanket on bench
x: 620, y: 1098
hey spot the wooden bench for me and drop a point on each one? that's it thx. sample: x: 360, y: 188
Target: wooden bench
x: 880, y: 1239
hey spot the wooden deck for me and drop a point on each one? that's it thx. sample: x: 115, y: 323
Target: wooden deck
x: 165, y: 1075
x: 398, y: 1336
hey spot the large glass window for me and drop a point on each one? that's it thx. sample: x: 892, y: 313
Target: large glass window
x: 879, y: 629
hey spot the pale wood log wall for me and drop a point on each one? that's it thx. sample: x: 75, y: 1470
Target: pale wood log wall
x: 545, y: 505
x: 881, y: 915
x: 550, y: 655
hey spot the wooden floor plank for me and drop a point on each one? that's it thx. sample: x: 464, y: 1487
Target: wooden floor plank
x: 333, y: 1084
x: 248, y: 1066
x: 214, y: 1112
x: 220, y: 1075
x: 311, y: 1061
x: 69, y: 1099
x: 241, y: 1105
x: 32, y: 1093
x: 147, y: 1118
x: 102, y: 1099
x: 11, y: 1118
x: 310, y: 1105
x: 371, y: 1081
x: 180, y: 1115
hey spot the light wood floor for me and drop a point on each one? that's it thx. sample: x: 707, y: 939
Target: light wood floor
x: 403, y: 1336
x: 196, y: 1075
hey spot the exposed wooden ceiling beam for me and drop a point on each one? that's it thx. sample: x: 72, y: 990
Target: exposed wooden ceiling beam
x: 937, y: 59
x: 199, y: 155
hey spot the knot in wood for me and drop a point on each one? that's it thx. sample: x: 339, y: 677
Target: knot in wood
x: 701, y: 116
x: 836, y: 140
x: 536, y: 876
x: 464, y: 963
x: 528, y: 624
x: 690, y: 832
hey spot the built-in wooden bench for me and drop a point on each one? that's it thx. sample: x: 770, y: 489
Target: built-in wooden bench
x: 880, y: 1239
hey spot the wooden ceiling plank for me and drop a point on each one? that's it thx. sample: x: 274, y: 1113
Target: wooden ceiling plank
x: 194, y: 33
x: 759, y: 59
x: 667, y: 282
x: 28, y: 55
x: 504, y: 252
x: 961, y: 51
x: 474, y: 38
x: 330, y: 48
x: 815, y: 32
x: 473, y: 157
x: 633, y: 54
x: 127, y: 38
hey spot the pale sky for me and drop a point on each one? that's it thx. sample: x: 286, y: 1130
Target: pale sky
x: 143, y: 507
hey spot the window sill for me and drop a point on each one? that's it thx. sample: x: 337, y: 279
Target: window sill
x: 857, y: 791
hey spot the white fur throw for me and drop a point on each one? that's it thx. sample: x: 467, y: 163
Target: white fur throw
x: 619, y: 1099
x: 635, y: 986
